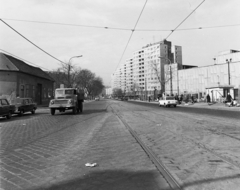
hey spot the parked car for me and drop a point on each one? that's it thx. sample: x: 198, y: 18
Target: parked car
x: 97, y: 99
x: 23, y: 105
x: 6, y: 109
x: 168, y: 101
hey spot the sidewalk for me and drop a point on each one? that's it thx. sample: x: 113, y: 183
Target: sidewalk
x: 217, y: 106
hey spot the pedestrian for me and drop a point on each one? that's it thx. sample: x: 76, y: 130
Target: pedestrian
x: 149, y: 98
x: 181, y: 98
x: 177, y: 98
x: 80, y: 99
x: 229, y: 99
x: 208, y: 99
x: 192, y: 99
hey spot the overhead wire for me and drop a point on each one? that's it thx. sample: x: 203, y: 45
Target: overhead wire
x: 132, y: 33
x: 32, y: 42
x: 117, y: 28
x: 185, y: 19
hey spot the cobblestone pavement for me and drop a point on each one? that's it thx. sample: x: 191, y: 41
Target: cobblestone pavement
x: 50, y: 152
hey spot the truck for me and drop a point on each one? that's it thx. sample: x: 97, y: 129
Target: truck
x: 66, y: 99
x: 168, y: 101
x: 6, y: 110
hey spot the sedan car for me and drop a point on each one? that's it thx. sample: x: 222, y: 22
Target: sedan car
x: 168, y: 101
x: 23, y: 105
x: 97, y: 99
x: 6, y: 109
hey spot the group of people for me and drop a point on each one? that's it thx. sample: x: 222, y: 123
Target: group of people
x: 229, y: 100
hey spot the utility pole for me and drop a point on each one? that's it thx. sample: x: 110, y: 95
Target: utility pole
x: 229, y: 77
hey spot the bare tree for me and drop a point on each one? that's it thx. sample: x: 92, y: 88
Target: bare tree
x: 66, y: 74
x: 97, y: 86
x: 164, y: 75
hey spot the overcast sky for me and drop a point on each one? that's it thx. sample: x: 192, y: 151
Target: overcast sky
x: 102, y: 48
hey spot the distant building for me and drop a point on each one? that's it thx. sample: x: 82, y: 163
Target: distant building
x: 17, y: 78
x: 137, y: 76
x: 216, y: 80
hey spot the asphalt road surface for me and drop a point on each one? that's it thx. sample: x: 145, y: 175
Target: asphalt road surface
x: 198, y: 148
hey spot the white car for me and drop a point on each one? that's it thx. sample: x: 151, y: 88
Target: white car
x: 97, y: 99
x: 168, y: 101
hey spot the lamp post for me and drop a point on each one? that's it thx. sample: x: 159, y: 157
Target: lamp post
x: 69, y: 67
x: 170, y: 63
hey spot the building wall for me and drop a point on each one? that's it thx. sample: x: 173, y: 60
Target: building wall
x: 8, y: 84
x: 13, y: 84
x: 137, y: 76
x: 198, y: 79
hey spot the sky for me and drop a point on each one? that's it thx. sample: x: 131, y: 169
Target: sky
x: 81, y: 30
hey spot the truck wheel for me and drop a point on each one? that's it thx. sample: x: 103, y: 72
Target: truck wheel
x: 52, y: 111
x: 9, y: 115
x: 74, y: 110
x: 20, y: 113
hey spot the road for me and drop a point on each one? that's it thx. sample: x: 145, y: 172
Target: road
x: 199, y: 148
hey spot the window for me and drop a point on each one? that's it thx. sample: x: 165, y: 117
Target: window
x: 27, y: 90
x: 33, y: 92
x: 22, y: 91
x: 4, y: 102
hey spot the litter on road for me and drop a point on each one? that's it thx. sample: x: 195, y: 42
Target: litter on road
x: 91, y: 164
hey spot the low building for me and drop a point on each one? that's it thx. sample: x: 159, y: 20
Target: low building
x: 17, y: 78
x: 216, y: 80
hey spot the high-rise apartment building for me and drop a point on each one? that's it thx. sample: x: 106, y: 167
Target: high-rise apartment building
x: 144, y: 73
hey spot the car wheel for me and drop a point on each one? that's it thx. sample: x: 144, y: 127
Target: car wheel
x: 9, y: 115
x: 33, y: 111
x: 175, y: 105
x: 52, y: 111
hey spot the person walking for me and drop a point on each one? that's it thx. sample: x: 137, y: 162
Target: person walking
x: 208, y: 99
x: 80, y: 99
x: 177, y: 98
x: 192, y: 99
x: 229, y: 99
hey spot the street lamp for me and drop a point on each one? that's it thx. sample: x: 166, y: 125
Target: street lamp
x: 170, y: 63
x: 69, y: 67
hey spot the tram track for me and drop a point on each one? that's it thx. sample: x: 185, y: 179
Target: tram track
x: 200, y: 121
x: 202, y: 145
x: 159, y: 165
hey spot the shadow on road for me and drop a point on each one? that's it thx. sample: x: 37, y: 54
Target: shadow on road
x: 122, y: 180
x: 110, y: 180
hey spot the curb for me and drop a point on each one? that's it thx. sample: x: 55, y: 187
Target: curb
x: 213, y: 107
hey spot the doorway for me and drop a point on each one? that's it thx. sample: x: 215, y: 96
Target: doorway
x: 39, y: 94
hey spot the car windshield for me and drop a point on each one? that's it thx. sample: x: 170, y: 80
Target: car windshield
x: 170, y: 98
x: 63, y: 92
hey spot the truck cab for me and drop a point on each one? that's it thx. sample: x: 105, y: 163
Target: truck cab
x: 64, y: 99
